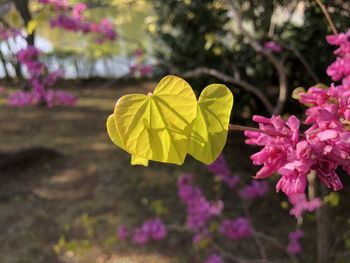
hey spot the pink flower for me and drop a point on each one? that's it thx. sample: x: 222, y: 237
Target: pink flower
x: 302, y: 205
x: 273, y: 46
x: 20, y: 99
x: 78, y: 10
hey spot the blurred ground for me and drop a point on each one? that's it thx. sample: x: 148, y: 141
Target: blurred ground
x: 66, y: 209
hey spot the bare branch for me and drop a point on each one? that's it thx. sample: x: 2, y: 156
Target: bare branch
x: 303, y: 60
x: 226, y: 78
x: 328, y: 17
x: 278, y: 64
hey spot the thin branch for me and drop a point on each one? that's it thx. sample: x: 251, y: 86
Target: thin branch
x: 277, y: 244
x: 272, y: 21
x: 328, y: 17
x: 234, y: 127
x: 258, y: 242
x: 278, y: 64
x: 236, y: 259
x: 226, y: 78
x: 303, y: 61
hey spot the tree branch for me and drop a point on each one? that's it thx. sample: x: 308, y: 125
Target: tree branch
x: 303, y: 61
x: 278, y: 64
x: 328, y: 17
x: 226, y: 78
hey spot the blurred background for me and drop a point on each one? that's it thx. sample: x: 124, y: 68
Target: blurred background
x: 63, y: 65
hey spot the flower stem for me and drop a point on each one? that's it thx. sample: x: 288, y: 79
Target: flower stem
x: 234, y: 127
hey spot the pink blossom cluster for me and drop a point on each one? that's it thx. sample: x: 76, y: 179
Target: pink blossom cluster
x: 199, y: 209
x: 221, y: 170
x: 294, y: 246
x: 236, y: 228
x: 301, y: 204
x: 324, y: 146
x: 150, y: 230
x: 41, y: 82
x: 255, y: 189
x: 282, y: 152
x: 71, y: 18
x: 273, y: 46
x: 140, y: 68
x: 340, y: 68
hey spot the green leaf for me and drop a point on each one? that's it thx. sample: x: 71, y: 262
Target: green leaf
x: 158, y: 126
x: 209, y: 130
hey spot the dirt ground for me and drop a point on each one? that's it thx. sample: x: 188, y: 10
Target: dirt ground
x: 67, y: 208
x: 62, y: 200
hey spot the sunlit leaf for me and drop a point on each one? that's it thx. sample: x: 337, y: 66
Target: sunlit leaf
x: 157, y: 126
x: 209, y: 130
x: 115, y: 137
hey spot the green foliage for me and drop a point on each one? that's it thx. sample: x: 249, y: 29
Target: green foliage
x: 169, y: 124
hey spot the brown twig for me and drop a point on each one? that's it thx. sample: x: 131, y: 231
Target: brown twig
x: 328, y: 17
x: 234, y: 127
x: 278, y: 64
x: 234, y: 80
x: 303, y: 61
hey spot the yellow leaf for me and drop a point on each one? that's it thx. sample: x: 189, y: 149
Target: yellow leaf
x: 32, y: 25
x: 296, y: 93
x: 158, y: 126
x: 209, y: 130
x: 115, y: 137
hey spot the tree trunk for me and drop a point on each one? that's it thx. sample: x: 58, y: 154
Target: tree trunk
x: 22, y: 7
x: 324, y: 235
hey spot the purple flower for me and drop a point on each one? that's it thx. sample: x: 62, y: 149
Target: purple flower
x: 294, y: 246
x: 140, y: 237
x: 152, y: 229
x: 199, y: 209
x: 222, y: 171
x: 236, y: 228
x: 254, y: 190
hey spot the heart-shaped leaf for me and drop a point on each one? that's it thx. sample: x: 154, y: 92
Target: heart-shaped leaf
x: 209, y: 130
x: 158, y: 126
x: 115, y: 137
